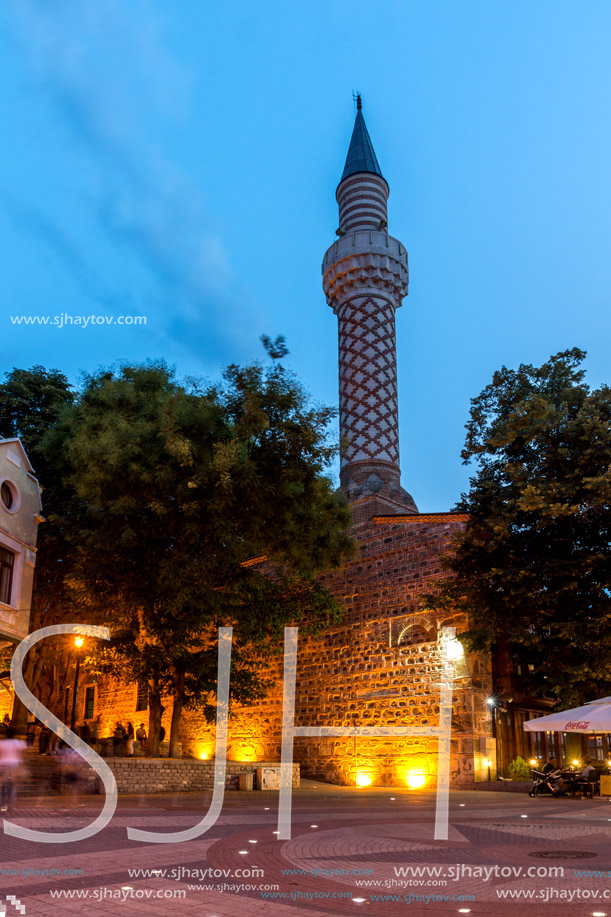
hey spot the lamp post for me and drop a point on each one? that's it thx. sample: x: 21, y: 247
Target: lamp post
x: 78, y: 642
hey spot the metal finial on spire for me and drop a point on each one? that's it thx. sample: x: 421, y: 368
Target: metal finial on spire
x: 356, y: 97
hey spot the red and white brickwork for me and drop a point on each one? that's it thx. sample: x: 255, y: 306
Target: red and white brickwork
x: 365, y: 277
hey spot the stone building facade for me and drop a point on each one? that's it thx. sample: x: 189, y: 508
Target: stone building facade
x: 20, y: 516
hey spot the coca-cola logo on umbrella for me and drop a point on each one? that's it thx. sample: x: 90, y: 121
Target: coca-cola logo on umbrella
x: 581, y: 724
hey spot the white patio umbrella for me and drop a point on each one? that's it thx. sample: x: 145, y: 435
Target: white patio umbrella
x: 594, y: 716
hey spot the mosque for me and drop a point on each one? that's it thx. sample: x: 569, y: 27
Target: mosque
x: 381, y: 665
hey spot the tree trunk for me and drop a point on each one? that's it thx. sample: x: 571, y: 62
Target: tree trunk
x: 179, y: 699
x: 31, y: 673
x: 156, y: 709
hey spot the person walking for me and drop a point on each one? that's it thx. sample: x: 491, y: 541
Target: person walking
x: 11, y: 768
x: 117, y: 739
x: 71, y: 771
x: 85, y: 732
x: 142, y: 737
x: 129, y: 741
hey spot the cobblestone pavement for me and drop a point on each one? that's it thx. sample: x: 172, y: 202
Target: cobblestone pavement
x: 345, y: 857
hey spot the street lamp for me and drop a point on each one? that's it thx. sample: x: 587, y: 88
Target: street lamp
x: 78, y: 642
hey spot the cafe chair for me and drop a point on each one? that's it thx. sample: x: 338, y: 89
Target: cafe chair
x: 589, y: 785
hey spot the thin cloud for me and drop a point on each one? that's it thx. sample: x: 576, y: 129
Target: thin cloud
x: 107, y: 72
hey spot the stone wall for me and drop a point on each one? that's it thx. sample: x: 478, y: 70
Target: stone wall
x: 175, y: 775
x: 379, y: 666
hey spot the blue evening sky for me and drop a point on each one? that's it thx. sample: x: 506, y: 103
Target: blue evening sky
x: 180, y: 161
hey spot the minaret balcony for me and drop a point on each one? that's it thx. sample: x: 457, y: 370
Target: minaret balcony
x: 365, y: 259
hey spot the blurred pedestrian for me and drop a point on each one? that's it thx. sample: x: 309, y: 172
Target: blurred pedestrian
x: 11, y: 768
x: 72, y: 768
x: 142, y: 737
x: 85, y: 733
x: 129, y: 741
x: 54, y: 744
x: 44, y: 740
x: 117, y: 739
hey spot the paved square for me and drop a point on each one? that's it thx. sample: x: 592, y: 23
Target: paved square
x: 352, y: 851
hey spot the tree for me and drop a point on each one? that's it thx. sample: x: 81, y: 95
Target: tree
x: 532, y: 570
x: 31, y: 401
x: 175, y: 486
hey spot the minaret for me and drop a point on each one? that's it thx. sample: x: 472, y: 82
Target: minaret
x: 365, y: 278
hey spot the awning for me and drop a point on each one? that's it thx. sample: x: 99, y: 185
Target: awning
x: 591, y: 718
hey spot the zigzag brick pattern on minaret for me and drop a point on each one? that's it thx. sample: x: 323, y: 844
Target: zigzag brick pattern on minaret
x: 368, y: 381
x: 365, y: 278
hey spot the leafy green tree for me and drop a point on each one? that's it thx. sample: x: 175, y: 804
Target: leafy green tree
x: 31, y: 401
x: 532, y: 570
x: 176, y: 485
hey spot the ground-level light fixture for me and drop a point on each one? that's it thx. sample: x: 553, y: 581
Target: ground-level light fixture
x: 363, y: 779
x: 78, y: 642
x: 203, y: 755
x: 414, y: 780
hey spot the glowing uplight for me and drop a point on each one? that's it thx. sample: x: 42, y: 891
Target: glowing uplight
x: 454, y: 649
x: 533, y: 762
x: 78, y: 641
x: 203, y: 755
x: 363, y: 779
x: 415, y: 780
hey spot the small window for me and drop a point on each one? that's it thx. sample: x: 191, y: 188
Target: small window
x: 142, y: 696
x: 89, y: 702
x: 7, y: 563
x: 596, y: 748
x: 9, y: 495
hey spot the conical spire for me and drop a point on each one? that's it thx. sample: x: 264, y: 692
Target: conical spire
x: 361, y: 156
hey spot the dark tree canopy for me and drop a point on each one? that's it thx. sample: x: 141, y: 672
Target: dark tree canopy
x: 533, y: 569
x: 173, y: 487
